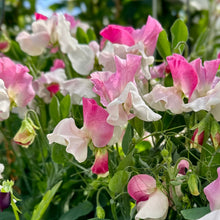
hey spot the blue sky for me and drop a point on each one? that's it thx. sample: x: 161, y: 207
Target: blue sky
x: 42, y: 7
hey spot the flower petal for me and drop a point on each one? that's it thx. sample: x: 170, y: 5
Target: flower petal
x: 155, y: 207
x: 66, y: 133
x: 214, y: 215
x: 212, y: 192
x: 95, y: 123
x: 141, y: 186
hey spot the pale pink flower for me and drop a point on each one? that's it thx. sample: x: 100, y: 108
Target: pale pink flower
x: 212, y: 192
x: 49, y: 84
x: 17, y: 81
x: 118, y: 92
x: 95, y: 129
x: 151, y: 202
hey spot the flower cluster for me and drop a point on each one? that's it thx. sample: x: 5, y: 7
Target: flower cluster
x: 147, y: 130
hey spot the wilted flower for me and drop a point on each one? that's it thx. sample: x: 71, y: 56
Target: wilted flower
x: 26, y: 134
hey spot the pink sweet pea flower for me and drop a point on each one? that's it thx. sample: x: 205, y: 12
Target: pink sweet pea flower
x: 17, y: 81
x: 119, y: 93
x: 184, y: 75
x: 152, y: 203
x: 95, y: 128
x: 148, y: 35
x: 100, y: 166
x: 182, y: 166
x: 212, y: 192
x: 49, y: 84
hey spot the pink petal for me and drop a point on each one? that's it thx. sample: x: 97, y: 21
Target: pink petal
x: 182, y: 165
x: 184, y: 76
x: 108, y: 85
x: 214, y: 215
x: 39, y: 16
x: 95, y: 123
x: 17, y: 81
x: 156, y: 207
x: 57, y: 63
x: 141, y: 186
x: 66, y: 133
x: 212, y: 192
x: 100, y: 165
x: 148, y: 34
x: 118, y: 34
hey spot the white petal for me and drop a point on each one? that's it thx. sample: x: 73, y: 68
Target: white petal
x: 81, y: 56
x: 4, y: 102
x: 155, y: 207
x: 78, y: 88
x: 118, y: 117
x: 214, y: 215
x: 66, y: 133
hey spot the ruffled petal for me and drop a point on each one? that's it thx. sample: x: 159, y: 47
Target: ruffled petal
x: 95, y: 123
x: 66, y: 133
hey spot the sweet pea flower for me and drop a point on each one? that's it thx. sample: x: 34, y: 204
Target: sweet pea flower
x: 95, y: 129
x: 100, y: 166
x: 2, y: 167
x: 57, y: 64
x: 148, y: 35
x: 151, y: 202
x: 17, y: 82
x: 118, y: 92
x: 49, y: 84
x: 212, y: 192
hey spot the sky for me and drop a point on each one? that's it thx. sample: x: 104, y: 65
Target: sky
x: 42, y: 7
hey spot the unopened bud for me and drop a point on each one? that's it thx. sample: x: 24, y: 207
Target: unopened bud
x: 100, y: 212
x: 193, y: 185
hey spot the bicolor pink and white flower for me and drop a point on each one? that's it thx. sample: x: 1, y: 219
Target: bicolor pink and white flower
x: 151, y: 202
x: 95, y: 129
x: 17, y: 82
x: 100, y: 166
x: 49, y: 83
x: 118, y: 92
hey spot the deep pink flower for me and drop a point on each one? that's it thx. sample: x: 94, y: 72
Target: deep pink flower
x: 39, y: 16
x: 95, y: 128
x: 184, y: 75
x: 148, y: 35
x: 100, y: 165
x: 17, y: 81
x: 212, y: 192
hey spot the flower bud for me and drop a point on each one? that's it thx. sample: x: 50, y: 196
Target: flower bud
x: 5, y: 200
x: 193, y: 185
x: 100, y: 212
x: 26, y: 134
x: 100, y: 165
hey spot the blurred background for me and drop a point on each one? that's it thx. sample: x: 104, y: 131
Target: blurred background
x: 201, y: 16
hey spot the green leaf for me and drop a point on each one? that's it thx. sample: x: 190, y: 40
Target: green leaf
x: 81, y: 209
x: 127, y: 139
x: 163, y: 45
x: 81, y: 36
x: 40, y: 209
x: 7, y: 215
x: 118, y: 181
x: 179, y: 32
x: 59, y: 154
x: 91, y: 34
x: 195, y: 213
x: 127, y: 161
x: 65, y: 106
x: 54, y: 110
x: 138, y: 125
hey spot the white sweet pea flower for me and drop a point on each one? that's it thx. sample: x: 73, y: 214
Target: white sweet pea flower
x: 2, y: 167
x: 4, y: 102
